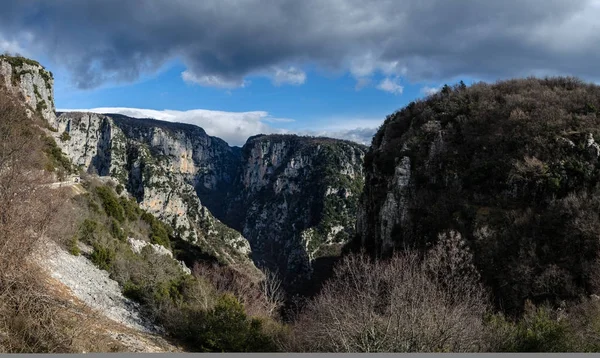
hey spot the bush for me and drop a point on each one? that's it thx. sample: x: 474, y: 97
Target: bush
x: 116, y: 231
x: 74, y: 247
x: 536, y: 331
x: 226, y: 328
x: 88, y: 231
x: 102, y: 257
x: 159, y: 232
x: 110, y: 203
x: 65, y: 136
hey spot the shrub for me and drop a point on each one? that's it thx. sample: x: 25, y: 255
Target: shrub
x: 398, y: 305
x: 116, y: 231
x: 226, y: 328
x: 102, y: 256
x: 65, y: 136
x: 110, y: 203
x: 536, y: 331
x: 74, y: 247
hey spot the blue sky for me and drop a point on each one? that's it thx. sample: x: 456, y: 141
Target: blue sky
x: 322, y: 102
x: 316, y: 67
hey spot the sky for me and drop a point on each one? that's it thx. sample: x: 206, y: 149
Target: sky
x: 315, y: 67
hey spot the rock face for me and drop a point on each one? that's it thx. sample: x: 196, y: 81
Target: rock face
x: 296, y: 199
x: 35, y: 83
x: 512, y: 167
x: 161, y: 164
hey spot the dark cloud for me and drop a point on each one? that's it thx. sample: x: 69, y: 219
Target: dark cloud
x: 222, y: 41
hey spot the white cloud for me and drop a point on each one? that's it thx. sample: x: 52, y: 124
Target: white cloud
x: 236, y: 127
x: 364, y: 67
x: 291, y: 76
x: 233, y: 127
x: 12, y: 47
x: 360, y: 130
x: 390, y: 85
x: 212, y: 80
x: 430, y: 90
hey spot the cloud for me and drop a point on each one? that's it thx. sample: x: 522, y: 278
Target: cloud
x: 236, y: 127
x: 233, y: 127
x: 292, y: 76
x: 428, y: 91
x: 222, y: 42
x: 358, y: 135
x: 360, y: 130
x: 212, y: 80
x: 390, y: 85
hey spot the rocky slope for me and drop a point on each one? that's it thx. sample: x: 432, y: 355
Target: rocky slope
x: 513, y: 167
x: 296, y: 199
x: 161, y: 165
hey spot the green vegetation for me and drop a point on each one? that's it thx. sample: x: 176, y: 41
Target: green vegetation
x: 227, y: 328
x: 56, y: 160
x: 196, y: 310
x: 110, y: 203
x: 65, y: 136
x: 74, y: 247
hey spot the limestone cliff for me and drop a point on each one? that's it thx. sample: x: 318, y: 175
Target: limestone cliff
x: 33, y: 81
x: 160, y: 164
x: 296, y: 199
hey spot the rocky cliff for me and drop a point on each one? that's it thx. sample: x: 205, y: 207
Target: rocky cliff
x: 295, y: 199
x: 162, y: 165
x: 33, y: 81
x: 513, y: 167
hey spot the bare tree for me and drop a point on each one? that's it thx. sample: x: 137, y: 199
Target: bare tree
x: 398, y: 305
x: 272, y: 293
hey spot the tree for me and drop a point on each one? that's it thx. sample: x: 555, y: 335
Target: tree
x: 398, y: 305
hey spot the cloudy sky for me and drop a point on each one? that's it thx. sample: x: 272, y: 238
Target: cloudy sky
x: 321, y: 67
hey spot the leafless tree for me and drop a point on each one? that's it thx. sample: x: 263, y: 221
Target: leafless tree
x: 272, y: 293
x: 398, y: 305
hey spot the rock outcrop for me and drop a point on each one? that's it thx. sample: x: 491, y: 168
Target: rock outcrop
x: 296, y: 199
x: 33, y: 81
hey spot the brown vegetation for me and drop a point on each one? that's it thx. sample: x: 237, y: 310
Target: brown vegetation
x: 29, y: 319
x: 403, y: 304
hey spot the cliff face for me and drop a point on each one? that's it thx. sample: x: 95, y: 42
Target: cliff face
x: 513, y: 167
x: 296, y: 199
x: 35, y: 83
x: 161, y: 164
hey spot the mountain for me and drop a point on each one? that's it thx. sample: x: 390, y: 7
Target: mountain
x: 296, y: 199
x: 512, y: 167
x: 293, y: 198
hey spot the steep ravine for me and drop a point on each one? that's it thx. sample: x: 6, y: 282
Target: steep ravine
x: 295, y: 199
